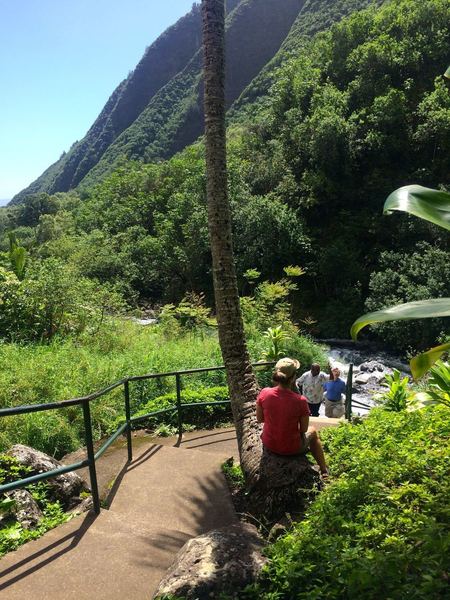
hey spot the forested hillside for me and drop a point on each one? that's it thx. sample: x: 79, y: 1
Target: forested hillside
x: 158, y: 110
x: 353, y: 113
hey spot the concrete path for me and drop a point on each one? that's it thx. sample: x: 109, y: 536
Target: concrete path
x: 165, y: 496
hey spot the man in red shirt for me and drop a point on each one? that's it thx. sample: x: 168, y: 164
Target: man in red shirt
x: 285, y: 415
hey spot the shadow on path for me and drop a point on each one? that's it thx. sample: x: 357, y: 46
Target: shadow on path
x: 74, y: 536
x: 210, y: 507
x: 130, y: 466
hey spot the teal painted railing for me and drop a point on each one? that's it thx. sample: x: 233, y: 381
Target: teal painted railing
x: 91, y: 455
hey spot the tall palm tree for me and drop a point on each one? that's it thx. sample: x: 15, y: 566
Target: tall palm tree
x: 273, y: 482
x: 241, y: 379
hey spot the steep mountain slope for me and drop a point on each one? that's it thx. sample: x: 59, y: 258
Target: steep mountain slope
x: 157, y: 110
x: 314, y: 16
x: 161, y: 99
x: 174, y: 117
x: 166, y: 57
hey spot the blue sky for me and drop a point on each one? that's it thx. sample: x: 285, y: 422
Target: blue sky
x: 59, y: 62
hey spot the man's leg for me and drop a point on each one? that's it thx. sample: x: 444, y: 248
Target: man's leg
x: 329, y: 408
x: 315, y: 446
x: 314, y: 409
x: 338, y: 410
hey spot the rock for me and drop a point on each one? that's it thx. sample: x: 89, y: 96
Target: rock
x: 63, y: 486
x: 370, y: 378
x: 371, y: 366
x: 220, y: 561
x: 362, y: 378
x: 26, y: 510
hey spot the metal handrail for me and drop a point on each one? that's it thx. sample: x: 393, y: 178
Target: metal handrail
x: 84, y: 401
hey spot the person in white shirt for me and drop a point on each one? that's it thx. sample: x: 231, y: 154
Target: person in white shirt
x: 311, y: 385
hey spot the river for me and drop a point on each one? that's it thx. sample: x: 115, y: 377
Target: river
x: 370, y: 366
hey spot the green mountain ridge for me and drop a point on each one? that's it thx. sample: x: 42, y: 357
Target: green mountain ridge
x: 157, y: 110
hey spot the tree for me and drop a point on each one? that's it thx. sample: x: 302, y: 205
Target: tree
x: 241, y: 379
x: 433, y: 206
x: 274, y: 482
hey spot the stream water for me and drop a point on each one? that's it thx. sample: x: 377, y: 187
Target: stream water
x: 370, y: 367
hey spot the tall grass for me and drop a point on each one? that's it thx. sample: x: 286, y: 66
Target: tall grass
x: 73, y: 367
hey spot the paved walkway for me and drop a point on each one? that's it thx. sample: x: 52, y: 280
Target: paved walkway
x: 165, y: 496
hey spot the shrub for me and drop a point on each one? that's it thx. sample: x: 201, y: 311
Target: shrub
x: 381, y: 528
x: 396, y: 397
x: 51, y: 300
x: 12, y: 534
x: 191, y: 313
x: 198, y: 417
x: 405, y: 277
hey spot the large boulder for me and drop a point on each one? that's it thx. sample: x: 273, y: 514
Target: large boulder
x: 26, y: 510
x: 64, y: 487
x: 220, y: 561
x: 372, y: 366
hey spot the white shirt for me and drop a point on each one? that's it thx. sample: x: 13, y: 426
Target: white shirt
x: 312, y: 386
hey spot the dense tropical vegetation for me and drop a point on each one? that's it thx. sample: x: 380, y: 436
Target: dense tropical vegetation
x: 381, y: 529
x: 354, y: 113
x: 350, y: 108
x: 433, y: 206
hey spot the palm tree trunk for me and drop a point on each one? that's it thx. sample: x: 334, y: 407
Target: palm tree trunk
x: 241, y: 379
x: 273, y: 482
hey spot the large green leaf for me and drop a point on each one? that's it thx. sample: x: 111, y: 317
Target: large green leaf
x: 431, y: 205
x: 421, y: 363
x: 421, y: 309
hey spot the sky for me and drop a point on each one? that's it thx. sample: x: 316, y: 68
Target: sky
x: 60, y: 60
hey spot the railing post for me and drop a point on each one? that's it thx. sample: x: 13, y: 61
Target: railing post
x: 348, y: 393
x: 90, y: 455
x: 180, y: 420
x: 126, y: 386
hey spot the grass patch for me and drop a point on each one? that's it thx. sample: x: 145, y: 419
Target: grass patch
x: 73, y: 367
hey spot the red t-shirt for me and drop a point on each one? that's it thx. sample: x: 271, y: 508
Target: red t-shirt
x: 282, y: 411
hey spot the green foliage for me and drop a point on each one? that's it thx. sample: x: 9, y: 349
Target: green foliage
x: 294, y: 271
x: 269, y: 305
x: 352, y: 112
x: 396, y: 398
x: 193, y: 417
x: 251, y: 275
x: 12, y: 534
x: 51, y: 301
x: 276, y: 338
x: 437, y: 386
x: 431, y: 205
x: 191, y: 313
x: 409, y: 277
x: 17, y: 256
x: 381, y: 528
x: 233, y: 473
x: 11, y: 469
x: 74, y: 367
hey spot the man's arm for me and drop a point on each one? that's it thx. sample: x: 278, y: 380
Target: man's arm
x: 259, y: 413
x: 304, y: 424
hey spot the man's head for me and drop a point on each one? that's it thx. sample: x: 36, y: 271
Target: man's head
x: 315, y: 369
x: 336, y: 373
